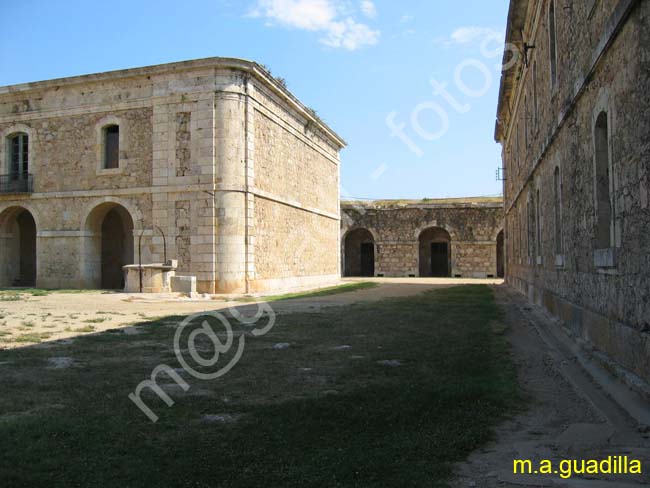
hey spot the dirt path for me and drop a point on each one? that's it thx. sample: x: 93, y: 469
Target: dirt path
x: 31, y: 319
x: 387, y: 288
x: 569, y: 417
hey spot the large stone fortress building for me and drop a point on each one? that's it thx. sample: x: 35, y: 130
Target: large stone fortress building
x: 574, y: 123
x: 460, y: 237
x: 211, y: 162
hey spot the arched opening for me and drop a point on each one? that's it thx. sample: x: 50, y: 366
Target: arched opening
x: 603, y: 176
x: 557, y: 205
x: 17, y: 247
x: 435, y: 253
x: 501, y: 271
x: 108, y: 246
x: 359, y: 253
x: 531, y: 228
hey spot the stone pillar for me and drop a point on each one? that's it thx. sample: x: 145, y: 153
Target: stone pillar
x: 230, y: 195
x: 59, y: 262
x: 454, y: 269
x: 9, y: 256
x: 184, y: 167
x: 91, y: 266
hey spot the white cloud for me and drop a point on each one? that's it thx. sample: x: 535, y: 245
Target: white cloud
x: 350, y: 35
x: 325, y: 16
x: 310, y: 15
x: 368, y: 8
x: 406, y: 19
x: 471, y: 34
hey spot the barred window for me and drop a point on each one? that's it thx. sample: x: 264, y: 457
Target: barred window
x: 19, y: 155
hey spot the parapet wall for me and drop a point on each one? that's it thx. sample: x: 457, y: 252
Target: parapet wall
x: 403, y: 232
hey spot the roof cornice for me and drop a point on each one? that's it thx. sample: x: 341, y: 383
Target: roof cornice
x: 243, y: 65
x: 516, y: 23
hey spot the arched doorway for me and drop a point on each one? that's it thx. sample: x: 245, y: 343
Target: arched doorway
x: 17, y: 247
x: 435, y: 252
x: 501, y: 272
x: 359, y: 253
x: 108, y: 247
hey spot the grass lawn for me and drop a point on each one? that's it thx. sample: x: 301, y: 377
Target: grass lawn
x: 327, y: 411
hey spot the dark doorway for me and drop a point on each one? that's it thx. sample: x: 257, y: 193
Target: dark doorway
x: 116, y: 236
x: 359, y: 255
x: 439, y: 259
x: 435, y: 253
x: 501, y: 272
x: 367, y: 259
x: 27, y: 239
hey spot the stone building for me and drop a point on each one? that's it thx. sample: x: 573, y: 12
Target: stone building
x: 439, y: 238
x: 211, y: 162
x: 574, y: 124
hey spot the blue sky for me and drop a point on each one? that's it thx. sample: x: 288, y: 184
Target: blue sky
x: 356, y: 62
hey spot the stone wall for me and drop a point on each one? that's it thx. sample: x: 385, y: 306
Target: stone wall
x: 65, y: 228
x: 472, y: 226
x: 296, y: 208
x: 292, y: 244
x: 553, y: 252
x: 191, y: 166
x: 294, y: 165
x: 66, y: 149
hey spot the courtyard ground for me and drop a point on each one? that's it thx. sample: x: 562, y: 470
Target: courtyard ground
x: 34, y: 316
x: 387, y: 393
x: 576, y: 410
x: 417, y: 382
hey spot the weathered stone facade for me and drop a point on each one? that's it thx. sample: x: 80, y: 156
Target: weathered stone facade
x: 455, y: 238
x: 215, y: 154
x: 574, y: 123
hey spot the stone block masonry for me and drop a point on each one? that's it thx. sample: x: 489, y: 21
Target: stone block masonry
x: 445, y: 238
x: 574, y: 123
x: 212, y: 161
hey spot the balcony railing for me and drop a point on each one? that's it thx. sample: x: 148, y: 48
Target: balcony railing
x: 17, y: 183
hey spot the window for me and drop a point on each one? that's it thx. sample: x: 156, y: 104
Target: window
x: 111, y: 147
x: 19, y: 156
x: 516, y: 236
x: 516, y: 246
x: 531, y: 227
x: 509, y: 233
x: 523, y: 232
x: 517, y: 149
x: 535, y: 100
x: 538, y: 224
x: 552, y: 35
x: 557, y: 194
x: 603, y: 185
x: 526, y: 127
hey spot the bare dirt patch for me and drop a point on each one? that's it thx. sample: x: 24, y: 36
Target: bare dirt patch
x: 28, y: 318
